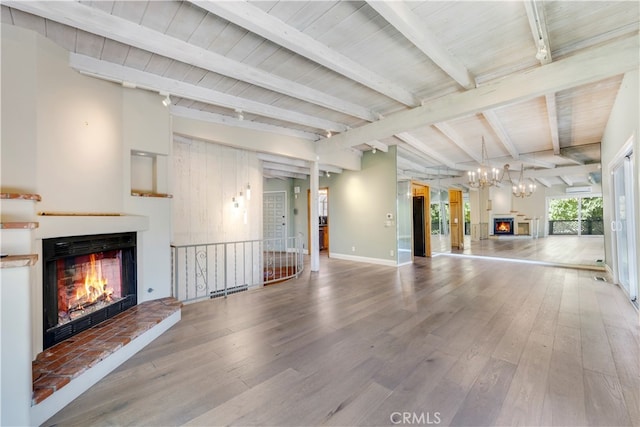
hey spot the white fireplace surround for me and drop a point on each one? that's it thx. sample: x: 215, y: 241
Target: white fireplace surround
x: 522, y: 226
x: 63, y: 226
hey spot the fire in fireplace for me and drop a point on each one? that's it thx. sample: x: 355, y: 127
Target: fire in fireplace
x: 503, y: 226
x: 86, y: 280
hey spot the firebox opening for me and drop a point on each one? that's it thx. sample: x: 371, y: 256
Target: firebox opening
x: 86, y: 280
x: 503, y: 226
x: 88, y: 283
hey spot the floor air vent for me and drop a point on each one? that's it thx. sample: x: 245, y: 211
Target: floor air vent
x: 599, y: 279
x: 234, y: 290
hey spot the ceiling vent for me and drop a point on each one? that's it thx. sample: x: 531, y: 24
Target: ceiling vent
x: 578, y: 190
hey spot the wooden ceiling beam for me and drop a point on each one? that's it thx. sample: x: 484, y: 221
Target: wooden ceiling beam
x: 552, y: 116
x: 422, y: 147
x: 245, y: 15
x: 379, y: 146
x: 544, y: 182
x: 94, y: 21
x: 582, y: 68
x: 400, y: 15
x: 144, y: 80
x: 538, y: 25
x: 539, y: 173
x: 206, y: 116
x: 274, y: 173
x: 454, y: 137
x: 566, y: 180
x: 492, y: 118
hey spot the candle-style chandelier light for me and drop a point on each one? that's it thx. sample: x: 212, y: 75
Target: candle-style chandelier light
x: 522, y: 188
x: 486, y: 176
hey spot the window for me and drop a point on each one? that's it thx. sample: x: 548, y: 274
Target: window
x: 576, y: 216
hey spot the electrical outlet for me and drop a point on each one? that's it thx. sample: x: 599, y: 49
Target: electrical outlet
x: 391, y: 252
x: 353, y: 248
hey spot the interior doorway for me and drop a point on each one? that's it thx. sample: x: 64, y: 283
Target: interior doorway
x: 419, y: 235
x: 421, y: 221
x: 457, y: 219
x: 323, y: 219
x: 274, y: 219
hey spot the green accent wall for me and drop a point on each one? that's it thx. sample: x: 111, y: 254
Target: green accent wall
x: 359, y: 202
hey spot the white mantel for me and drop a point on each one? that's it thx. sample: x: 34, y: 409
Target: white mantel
x: 520, y: 222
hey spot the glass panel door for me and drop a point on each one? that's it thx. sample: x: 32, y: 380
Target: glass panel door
x: 623, y: 228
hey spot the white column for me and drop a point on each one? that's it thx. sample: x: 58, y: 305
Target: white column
x: 314, y: 250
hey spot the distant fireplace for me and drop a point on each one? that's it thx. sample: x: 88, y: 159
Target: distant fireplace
x: 502, y: 226
x: 86, y: 280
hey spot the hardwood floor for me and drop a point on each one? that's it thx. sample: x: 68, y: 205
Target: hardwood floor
x: 447, y: 340
x: 583, y: 251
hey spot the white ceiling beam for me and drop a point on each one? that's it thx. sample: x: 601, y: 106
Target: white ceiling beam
x: 455, y: 137
x: 422, y: 147
x: 408, y: 165
x: 95, y: 21
x: 538, y: 25
x: 552, y: 117
x: 544, y: 182
x: 492, y: 118
x: 191, y: 113
x: 379, y: 146
x: 582, y: 68
x: 271, y: 173
x: 144, y: 80
x: 409, y: 152
x: 539, y: 173
x: 536, y: 162
x: 566, y: 179
x: 329, y: 168
x: 400, y: 15
x: 271, y: 28
x: 271, y: 158
x: 285, y: 168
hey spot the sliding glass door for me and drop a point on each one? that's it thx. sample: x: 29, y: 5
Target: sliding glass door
x: 623, y: 227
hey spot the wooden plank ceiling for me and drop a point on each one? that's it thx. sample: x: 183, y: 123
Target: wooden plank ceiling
x: 431, y: 77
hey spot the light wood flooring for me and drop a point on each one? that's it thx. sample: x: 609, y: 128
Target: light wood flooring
x: 462, y: 341
x: 584, y: 251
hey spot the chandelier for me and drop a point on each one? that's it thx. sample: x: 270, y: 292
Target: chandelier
x: 486, y: 176
x: 522, y: 189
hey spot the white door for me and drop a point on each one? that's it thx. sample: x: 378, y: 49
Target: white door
x: 275, y: 220
x: 623, y: 227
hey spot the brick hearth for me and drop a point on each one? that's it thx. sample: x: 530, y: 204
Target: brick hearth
x: 55, y: 367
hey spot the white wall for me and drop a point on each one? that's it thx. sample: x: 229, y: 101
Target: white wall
x: 68, y: 137
x: 207, y: 177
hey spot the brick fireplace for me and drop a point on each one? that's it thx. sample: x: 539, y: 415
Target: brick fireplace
x: 86, y: 280
x: 115, y: 247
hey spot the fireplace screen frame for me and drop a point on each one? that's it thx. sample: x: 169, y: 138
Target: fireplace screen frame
x: 497, y: 221
x: 54, y: 249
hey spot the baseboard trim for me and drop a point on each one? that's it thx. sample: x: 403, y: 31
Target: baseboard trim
x: 368, y: 260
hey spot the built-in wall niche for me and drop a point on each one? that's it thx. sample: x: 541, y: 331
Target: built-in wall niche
x: 148, y: 172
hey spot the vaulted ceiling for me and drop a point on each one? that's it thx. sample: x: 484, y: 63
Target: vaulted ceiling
x: 536, y: 80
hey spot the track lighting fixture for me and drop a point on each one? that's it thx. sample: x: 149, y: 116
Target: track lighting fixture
x: 166, y: 101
